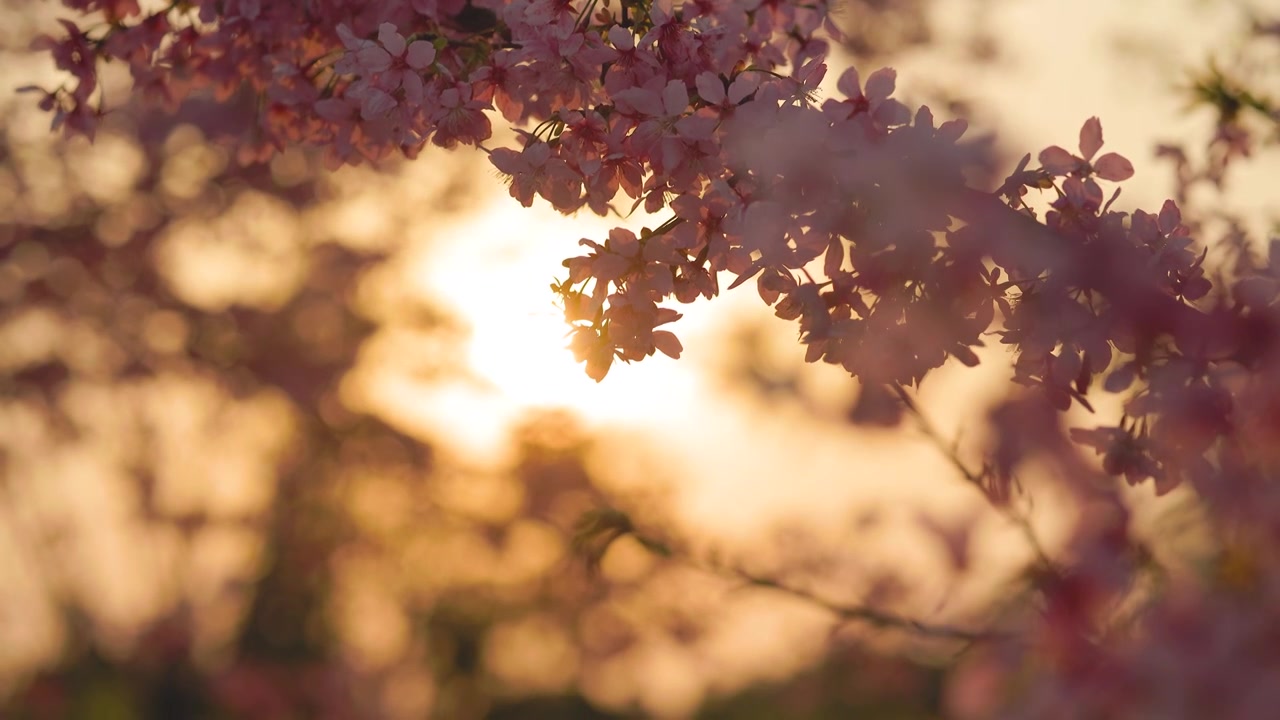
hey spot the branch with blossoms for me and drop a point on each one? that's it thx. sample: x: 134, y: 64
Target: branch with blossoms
x: 853, y: 219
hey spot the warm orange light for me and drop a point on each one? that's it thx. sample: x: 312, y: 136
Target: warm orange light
x: 494, y: 274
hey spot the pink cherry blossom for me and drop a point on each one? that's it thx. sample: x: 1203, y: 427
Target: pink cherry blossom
x: 712, y: 91
x: 860, y: 222
x: 460, y: 118
x: 882, y: 110
x: 537, y: 170
x: 1110, y: 166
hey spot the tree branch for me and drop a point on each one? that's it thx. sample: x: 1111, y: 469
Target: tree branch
x: 863, y: 613
x: 598, y: 529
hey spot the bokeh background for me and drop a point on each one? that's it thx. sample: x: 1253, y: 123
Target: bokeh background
x: 284, y: 442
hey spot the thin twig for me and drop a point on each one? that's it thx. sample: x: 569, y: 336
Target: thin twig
x: 843, y: 611
x: 974, y: 478
x: 870, y: 615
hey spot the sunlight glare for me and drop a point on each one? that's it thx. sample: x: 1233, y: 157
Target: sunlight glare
x: 525, y: 358
x: 518, y: 345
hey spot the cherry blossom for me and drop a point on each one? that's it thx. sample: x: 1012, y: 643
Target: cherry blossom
x: 538, y: 170
x: 858, y: 222
x: 1108, y: 167
x: 875, y: 102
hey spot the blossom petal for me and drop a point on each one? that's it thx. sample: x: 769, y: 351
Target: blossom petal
x: 892, y: 112
x: 924, y: 117
x: 349, y: 39
x: 598, y: 365
x: 710, y: 88
x: 1113, y: 167
x: 508, y: 161
x: 881, y: 83
x: 622, y: 38
x: 377, y: 104
x: 638, y: 101
x: 675, y: 97
x: 610, y: 267
x: 334, y: 109
x: 744, y: 85
x: 811, y: 74
x: 850, y: 84
x: 415, y: 91
x: 696, y: 127
x: 1170, y: 217
x: 421, y: 54
x: 1090, y: 138
x: 1058, y: 161
x: 668, y: 343
x: 624, y: 242
x: 952, y: 130
x: 537, y: 154
x: 391, y: 39
x: 373, y: 59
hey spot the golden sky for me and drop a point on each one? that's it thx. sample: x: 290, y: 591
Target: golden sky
x: 740, y: 467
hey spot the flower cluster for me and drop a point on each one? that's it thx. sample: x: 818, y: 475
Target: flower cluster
x: 852, y: 217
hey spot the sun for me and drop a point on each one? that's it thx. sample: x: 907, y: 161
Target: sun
x: 493, y: 270
x: 524, y: 357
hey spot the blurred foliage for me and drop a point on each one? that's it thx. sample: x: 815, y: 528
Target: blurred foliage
x: 875, y: 28
x: 850, y: 684
x: 1239, y: 88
